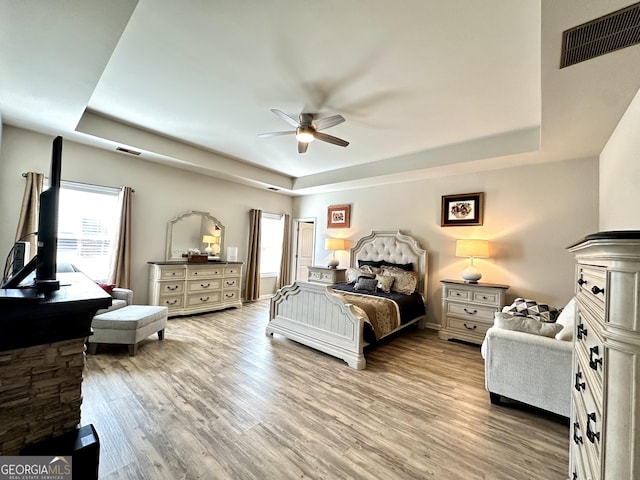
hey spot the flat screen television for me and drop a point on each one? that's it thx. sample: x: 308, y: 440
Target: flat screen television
x: 45, y: 261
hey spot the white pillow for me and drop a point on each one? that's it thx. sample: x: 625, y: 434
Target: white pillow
x: 507, y: 321
x: 567, y: 319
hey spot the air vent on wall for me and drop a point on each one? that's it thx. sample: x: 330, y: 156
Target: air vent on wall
x: 606, y: 34
x: 126, y: 150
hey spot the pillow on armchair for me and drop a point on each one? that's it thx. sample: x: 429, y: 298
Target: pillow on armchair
x: 508, y: 321
x: 567, y: 319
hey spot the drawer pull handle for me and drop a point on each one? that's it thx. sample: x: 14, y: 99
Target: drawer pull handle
x: 229, y: 295
x: 457, y: 294
x: 469, y: 312
x: 596, y: 290
x: 578, y: 385
x: 581, y: 282
x: 173, y: 274
x: 205, y: 285
x: 230, y: 284
x: 576, y: 438
x: 172, y: 288
x: 582, y: 332
x: 167, y: 302
x: 593, y: 363
x: 591, y: 435
x: 205, y: 299
x: 470, y: 328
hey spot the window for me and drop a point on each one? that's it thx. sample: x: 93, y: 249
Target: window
x: 271, y: 233
x: 88, y: 218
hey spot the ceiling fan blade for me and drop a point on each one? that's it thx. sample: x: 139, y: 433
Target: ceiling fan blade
x: 327, y: 122
x: 290, y: 120
x: 330, y: 139
x: 276, y: 134
x: 302, y: 147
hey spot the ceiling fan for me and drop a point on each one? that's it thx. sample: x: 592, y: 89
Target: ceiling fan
x: 308, y: 129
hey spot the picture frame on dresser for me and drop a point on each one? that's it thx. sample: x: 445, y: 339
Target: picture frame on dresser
x: 463, y: 209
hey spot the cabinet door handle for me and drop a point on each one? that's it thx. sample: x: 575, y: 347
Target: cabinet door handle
x: 582, y: 332
x: 579, y: 385
x: 469, y: 312
x: 592, y: 435
x: 470, y: 328
x: 576, y: 438
x: 593, y: 363
x: 596, y: 290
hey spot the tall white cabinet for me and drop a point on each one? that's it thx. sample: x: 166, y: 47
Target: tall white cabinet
x: 605, y: 410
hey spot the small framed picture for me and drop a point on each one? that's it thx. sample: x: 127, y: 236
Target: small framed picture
x: 338, y: 216
x: 462, y: 210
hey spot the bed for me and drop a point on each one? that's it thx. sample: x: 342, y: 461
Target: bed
x: 334, y: 319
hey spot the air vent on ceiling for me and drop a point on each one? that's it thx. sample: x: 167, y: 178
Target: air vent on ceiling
x: 606, y: 34
x: 126, y: 150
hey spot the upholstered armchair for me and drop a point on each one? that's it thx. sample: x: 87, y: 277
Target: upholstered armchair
x: 121, y: 297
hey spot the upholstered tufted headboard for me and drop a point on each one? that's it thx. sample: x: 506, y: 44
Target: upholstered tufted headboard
x: 392, y: 246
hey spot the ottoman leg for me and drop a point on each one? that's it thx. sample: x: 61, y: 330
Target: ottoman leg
x: 133, y: 349
x: 92, y: 348
x: 161, y: 334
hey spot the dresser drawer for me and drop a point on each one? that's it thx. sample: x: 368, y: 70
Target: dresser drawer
x: 592, y: 286
x: 230, y: 296
x: 204, y: 272
x: 232, y: 271
x: 167, y: 273
x: 454, y: 293
x: 203, y: 285
x: 472, y: 325
x: 585, y: 432
x: 589, y: 345
x: 486, y: 298
x: 171, y: 288
x: 475, y: 312
x: 171, y: 301
x: 231, y: 283
x: 204, y: 298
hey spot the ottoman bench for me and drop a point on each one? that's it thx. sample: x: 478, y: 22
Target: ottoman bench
x: 127, y: 325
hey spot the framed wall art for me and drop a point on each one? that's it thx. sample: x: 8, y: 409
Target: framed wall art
x: 462, y: 210
x: 338, y: 216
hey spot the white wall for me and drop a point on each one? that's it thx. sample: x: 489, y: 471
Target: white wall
x: 620, y: 173
x: 161, y: 193
x: 531, y: 214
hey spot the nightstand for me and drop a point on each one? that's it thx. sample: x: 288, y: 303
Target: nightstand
x: 326, y: 275
x: 468, y: 309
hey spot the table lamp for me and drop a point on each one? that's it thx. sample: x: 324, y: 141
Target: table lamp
x: 335, y: 244
x: 472, y: 249
x: 208, y: 239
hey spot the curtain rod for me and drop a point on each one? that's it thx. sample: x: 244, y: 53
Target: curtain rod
x: 24, y: 174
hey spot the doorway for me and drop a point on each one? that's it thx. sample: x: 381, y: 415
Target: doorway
x: 304, y: 247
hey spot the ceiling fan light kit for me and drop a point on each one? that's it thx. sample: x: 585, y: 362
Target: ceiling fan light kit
x: 308, y: 129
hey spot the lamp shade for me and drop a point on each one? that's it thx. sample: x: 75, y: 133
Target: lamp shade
x: 208, y: 239
x: 472, y: 248
x: 335, y: 244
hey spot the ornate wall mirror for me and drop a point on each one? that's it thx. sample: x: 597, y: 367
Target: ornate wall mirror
x: 191, y: 230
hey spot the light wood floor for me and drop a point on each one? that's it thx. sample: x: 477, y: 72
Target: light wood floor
x: 217, y: 399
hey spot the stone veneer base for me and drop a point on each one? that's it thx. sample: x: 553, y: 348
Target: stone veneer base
x: 40, y: 393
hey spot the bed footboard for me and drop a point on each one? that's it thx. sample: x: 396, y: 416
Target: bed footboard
x: 312, y: 315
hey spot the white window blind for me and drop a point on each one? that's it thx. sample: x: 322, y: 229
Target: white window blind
x: 271, y: 233
x: 88, y: 218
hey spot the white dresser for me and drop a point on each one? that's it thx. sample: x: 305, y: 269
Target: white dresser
x: 605, y: 409
x: 188, y: 288
x: 468, y: 309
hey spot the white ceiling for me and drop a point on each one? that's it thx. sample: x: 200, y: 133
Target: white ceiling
x: 427, y: 87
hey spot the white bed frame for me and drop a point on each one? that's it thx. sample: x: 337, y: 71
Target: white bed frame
x: 313, y: 315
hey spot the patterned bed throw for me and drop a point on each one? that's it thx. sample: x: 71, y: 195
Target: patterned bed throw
x: 383, y: 313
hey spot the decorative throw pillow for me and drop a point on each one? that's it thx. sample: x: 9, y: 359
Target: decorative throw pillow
x: 385, y: 282
x: 567, y: 319
x: 366, y: 283
x: 530, y: 308
x: 107, y: 287
x: 520, y: 323
x: 404, y: 282
x: 365, y: 271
